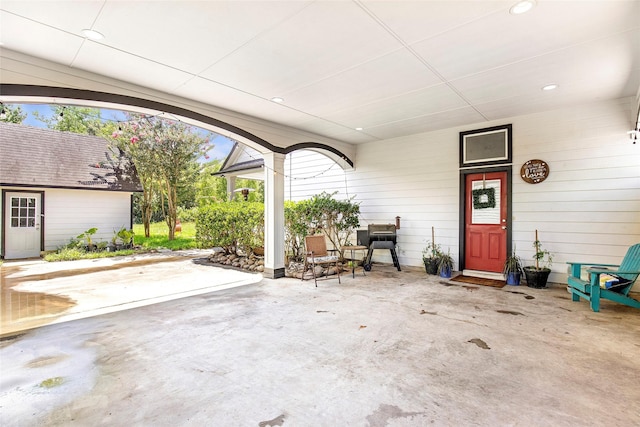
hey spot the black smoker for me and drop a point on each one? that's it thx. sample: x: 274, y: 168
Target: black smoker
x: 379, y: 236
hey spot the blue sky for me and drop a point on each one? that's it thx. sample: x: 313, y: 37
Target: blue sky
x: 221, y: 144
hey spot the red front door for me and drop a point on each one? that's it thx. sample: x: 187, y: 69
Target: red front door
x: 486, y: 221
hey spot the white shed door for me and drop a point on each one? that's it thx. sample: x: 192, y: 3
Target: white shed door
x: 22, y: 225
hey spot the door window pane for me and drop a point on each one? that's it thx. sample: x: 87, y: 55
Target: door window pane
x: 484, y: 213
x: 23, y: 212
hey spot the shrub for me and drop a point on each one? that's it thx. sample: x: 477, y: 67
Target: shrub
x: 337, y: 219
x: 295, y: 229
x: 240, y: 225
x: 231, y: 225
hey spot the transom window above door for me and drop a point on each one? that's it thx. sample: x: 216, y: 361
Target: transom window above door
x: 488, y: 146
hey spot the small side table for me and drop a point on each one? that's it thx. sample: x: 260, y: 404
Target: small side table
x: 353, y: 260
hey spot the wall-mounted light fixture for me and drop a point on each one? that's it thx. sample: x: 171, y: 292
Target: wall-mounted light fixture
x: 397, y: 223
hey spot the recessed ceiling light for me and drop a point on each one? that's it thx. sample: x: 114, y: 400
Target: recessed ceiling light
x: 358, y: 128
x: 277, y: 99
x: 522, y: 7
x: 550, y: 87
x: 92, y: 34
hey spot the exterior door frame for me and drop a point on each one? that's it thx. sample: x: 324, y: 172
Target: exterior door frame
x: 462, y: 206
x: 3, y: 216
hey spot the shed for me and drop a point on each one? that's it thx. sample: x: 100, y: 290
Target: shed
x: 55, y: 185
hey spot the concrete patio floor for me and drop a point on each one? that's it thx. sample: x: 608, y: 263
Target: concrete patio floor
x: 389, y: 349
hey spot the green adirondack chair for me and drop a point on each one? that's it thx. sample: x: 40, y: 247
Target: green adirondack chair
x: 628, y: 271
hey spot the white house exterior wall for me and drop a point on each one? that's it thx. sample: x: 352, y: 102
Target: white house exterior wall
x: 106, y: 210
x: 305, y: 170
x: 588, y: 209
x: 68, y: 213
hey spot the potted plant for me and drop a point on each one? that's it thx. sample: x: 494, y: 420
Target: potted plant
x: 89, y: 246
x: 445, y: 264
x: 538, y: 274
x: 127, y: 237
x: 112, y: 246
x: 512, y: 269
x: 430, y: 255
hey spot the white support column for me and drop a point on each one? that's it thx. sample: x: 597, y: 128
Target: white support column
x: 274, y: 215
x: 231, y: 186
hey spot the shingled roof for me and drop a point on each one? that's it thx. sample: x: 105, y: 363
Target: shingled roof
x: 35, y: 157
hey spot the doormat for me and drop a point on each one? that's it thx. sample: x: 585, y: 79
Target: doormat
x: 479, y: 281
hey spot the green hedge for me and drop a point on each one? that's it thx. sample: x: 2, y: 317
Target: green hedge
x: 240, y: 225
x: 231, y: 225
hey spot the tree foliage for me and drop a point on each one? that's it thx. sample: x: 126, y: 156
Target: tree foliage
x: 12, y: 114
x: 82, y: 120
x: 210, y: 189
x: 164, y: 153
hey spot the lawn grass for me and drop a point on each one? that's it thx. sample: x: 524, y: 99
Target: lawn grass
x: 72, y: 254
x: 159, y: 236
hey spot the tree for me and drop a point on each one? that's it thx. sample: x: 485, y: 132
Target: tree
x: 82, y: 120
x: 164, y: 153
x: 141, y: 154
x: 210, y: 189
x: 12, y: 114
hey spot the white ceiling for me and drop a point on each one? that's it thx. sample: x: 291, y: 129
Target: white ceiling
x: 391, y: 67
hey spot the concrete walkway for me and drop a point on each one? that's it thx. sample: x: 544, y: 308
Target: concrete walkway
x: 35, y: 292
x: 389, y: 349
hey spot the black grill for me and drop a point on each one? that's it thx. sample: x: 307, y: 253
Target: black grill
x: 379, y: 236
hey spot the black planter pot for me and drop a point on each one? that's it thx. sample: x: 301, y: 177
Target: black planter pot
x: 431, y: 265
x: 537, y: 278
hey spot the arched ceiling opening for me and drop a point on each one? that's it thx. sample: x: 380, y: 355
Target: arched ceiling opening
x: 15, y: 93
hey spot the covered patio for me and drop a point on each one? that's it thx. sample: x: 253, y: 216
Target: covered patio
x: 388, y: 88
x: 389, y: 349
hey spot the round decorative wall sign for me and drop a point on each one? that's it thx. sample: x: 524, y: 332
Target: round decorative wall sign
x: 534, y: 171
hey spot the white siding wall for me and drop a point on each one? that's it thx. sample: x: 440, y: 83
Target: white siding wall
x: 417, y: 179
x: 587, y: 210
x: 70, y: 212
x: 589, y: 207
x: 308, y: 173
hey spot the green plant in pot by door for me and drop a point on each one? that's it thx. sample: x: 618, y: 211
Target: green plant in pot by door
x: 430, y: 254
x: 445, y: 265
x: 538, y: 274
x: 512, y: 269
